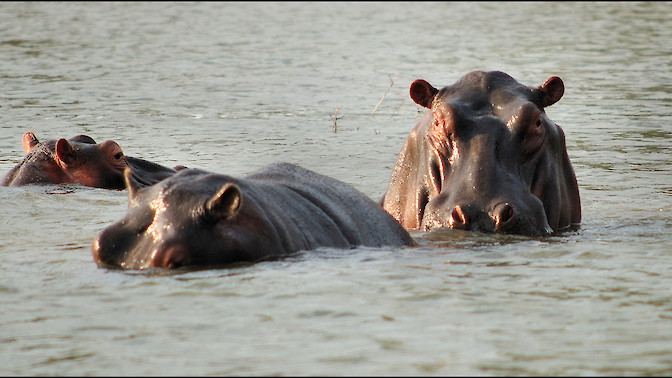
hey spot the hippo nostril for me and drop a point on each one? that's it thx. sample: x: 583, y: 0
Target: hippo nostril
x: 458, y: 218
x: 503, y: 213
x: 171, y: 257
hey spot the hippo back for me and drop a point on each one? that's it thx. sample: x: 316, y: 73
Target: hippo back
x: 318, y: 201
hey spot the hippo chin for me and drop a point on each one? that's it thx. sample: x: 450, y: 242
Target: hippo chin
x: 80, y: 160
x: 485, y: 157
x: 200, y: 219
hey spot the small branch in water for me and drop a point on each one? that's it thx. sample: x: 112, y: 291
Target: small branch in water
x: 385, y: 94
x: 334, y: 117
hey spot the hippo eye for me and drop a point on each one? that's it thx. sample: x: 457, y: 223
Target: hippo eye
x: 118, y: 156
x: 538, y: 122
x: 143, y: 226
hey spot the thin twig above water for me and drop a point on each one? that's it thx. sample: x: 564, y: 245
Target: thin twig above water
x: 334, y: 117
x: 396, y: 76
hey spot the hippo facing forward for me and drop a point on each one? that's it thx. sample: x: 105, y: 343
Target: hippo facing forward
x: 485, y: 157
x: 201, y: 219
x: 80, y: 160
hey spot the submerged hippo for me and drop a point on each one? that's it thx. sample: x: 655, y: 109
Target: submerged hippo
x: 201, y: 219
x: 485, y: 157
x: 80, y: 160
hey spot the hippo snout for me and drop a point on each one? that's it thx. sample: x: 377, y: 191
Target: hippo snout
x: 464, y: 217
x: 471, y: 218
x: 95, y: 251
x: 511, y: 219
x: 109, y: 250
x: 503, y: 217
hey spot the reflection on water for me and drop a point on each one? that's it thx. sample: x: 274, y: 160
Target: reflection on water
x: 231, y: 87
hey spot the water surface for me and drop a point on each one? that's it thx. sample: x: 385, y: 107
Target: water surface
x: 231, y: 87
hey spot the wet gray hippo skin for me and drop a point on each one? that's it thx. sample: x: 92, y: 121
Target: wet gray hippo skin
x: 80, y: 160
x: 485, y: 157
x: 201, y: 219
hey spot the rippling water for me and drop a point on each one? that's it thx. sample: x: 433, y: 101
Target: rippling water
x: 231, y: 87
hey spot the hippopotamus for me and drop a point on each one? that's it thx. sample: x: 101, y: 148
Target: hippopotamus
x: 485, y: 157
x: 201, y: 219
x: 81, y: 160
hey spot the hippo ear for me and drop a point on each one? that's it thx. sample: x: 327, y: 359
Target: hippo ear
x: 132, y: 185
x: 29, y: 141
x: 65, y: 152
x: 225, y: 203
x: 551, y: 91
x: 423, y: 93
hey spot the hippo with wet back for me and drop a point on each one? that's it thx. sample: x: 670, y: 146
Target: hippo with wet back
x: 201, y: 219
x: 485, y: 157
x: 80, y: 160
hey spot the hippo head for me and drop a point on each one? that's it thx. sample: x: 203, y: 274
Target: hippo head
x: 79, y: 160
x: 192, y: 219
x: 486, y: 157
